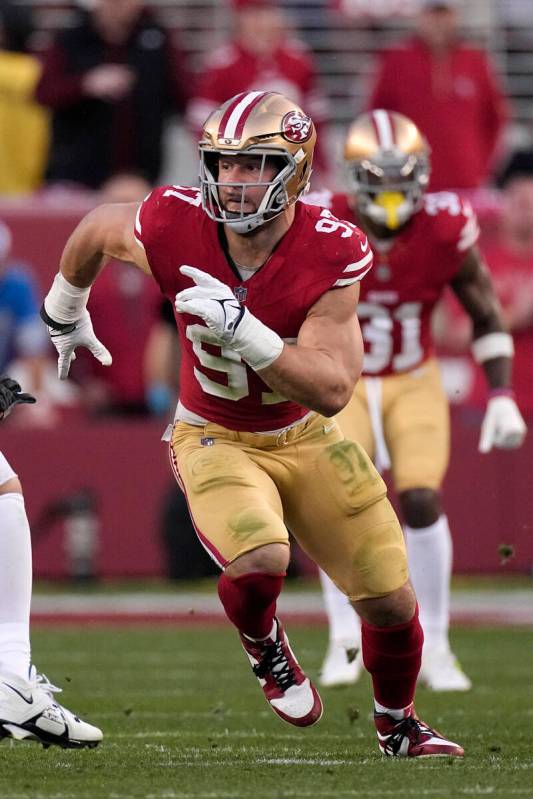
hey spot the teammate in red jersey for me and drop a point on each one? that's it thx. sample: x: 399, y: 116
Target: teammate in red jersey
x: 265, y: 291
x: 422, y: 243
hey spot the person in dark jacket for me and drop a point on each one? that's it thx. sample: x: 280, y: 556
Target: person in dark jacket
x: 110, y: 80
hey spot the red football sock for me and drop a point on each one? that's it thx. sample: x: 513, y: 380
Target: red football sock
x: 250, y: 601
x: 393, y: 655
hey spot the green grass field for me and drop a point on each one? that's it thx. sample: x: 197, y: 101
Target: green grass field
x: 184, y: 718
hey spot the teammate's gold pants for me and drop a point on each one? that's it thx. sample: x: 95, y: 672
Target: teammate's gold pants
x: 245, y: 489
x: 415, y: 425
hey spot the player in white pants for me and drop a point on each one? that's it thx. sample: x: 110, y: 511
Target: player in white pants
x: 28, y: 710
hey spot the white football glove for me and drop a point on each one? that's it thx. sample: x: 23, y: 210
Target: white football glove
x: 80, y: 335
x: 503, y: 426
x: 231, y: 322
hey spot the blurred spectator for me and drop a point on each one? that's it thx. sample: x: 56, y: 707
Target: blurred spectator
x: 110, y: 80
x: 261, y: 56
x: 125, y: 304
x: 24, y: 127
x: 509, y: 256
x: 23, y: 336
x: 449, y: 89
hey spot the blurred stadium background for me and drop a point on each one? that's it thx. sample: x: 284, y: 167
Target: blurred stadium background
x: 98, y: 488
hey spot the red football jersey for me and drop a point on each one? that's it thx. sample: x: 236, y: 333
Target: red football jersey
x: 410, y: 273
x: 317, y: 253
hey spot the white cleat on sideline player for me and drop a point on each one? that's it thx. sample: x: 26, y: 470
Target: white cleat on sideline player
x: 28, y: 711
x: 441, y: 671
x: 342, y: 665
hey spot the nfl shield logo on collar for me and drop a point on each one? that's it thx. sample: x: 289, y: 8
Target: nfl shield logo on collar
x: 240, y: 293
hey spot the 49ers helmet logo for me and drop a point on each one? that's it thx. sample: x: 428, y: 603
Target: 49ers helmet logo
x: 296, y: 127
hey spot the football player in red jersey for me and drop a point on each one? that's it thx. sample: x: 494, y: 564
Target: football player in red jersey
x: 265, y: 291
x: 422, y: 243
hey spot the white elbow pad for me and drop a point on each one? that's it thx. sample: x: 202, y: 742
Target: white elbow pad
x: 492, y: 345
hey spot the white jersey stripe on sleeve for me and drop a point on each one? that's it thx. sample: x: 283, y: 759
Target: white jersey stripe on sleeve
x: 137, y: 233
x: 348, y: 281
x: 469, y: 235
x: 360, y: 264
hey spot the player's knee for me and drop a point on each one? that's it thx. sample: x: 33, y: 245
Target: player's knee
x: 396, y: 608
x: 378, y: 565
x: 11, y: 486
x: 420, y: 506
x: 267, y: 559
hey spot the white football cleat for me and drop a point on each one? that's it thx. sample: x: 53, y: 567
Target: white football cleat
x: 291, y: 695
x: 28, y: 711
x: 441, y: 671
x: 343, y: 664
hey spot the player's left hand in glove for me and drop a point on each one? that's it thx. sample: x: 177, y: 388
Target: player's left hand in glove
x: 232, y: 323
x: 11, y: 395
x: 503, y: 426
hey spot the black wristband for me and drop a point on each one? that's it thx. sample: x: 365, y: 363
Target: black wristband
x: 66, y: 328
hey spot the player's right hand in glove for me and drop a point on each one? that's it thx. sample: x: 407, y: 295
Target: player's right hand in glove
x: 79, y: 334
x: 69, y: 324
x: 503, y: 426
x: 11, y: 395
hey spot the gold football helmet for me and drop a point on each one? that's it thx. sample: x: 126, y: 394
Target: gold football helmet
x: 387, y: 162
x: 257, y: 123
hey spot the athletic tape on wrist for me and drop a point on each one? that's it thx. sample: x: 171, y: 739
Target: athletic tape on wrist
x: 256, y: 343
x: 492, y: 345
x: 64, y: 303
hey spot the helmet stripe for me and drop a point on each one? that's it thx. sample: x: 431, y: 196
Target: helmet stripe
x: 227, y: 113
x: 384, y: 129
x: 237, y: 113
x: 246, y: 114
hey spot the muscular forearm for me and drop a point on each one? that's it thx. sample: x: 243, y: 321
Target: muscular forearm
x: 311, y: 378
x: 84, y: 254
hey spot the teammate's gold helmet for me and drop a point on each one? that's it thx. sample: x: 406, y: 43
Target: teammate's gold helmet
x: 387, y: 162
x: 257, y: 123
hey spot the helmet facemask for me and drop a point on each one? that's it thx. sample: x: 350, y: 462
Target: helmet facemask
x: 389, y: 187
x: 276, y: 197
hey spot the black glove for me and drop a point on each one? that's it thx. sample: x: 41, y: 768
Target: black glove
x: 10, y: 395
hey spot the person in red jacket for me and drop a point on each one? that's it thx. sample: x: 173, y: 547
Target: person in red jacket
x: 261, y: 56
x: 449, y: 90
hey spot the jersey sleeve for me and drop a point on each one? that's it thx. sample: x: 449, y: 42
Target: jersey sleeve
x: 144, y: 218
x: 160, y: 209
x: 455, y: 222
x: 345, y: 247
x: 356, y: 269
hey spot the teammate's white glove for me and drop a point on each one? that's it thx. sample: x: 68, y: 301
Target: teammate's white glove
x: 79, y: 334
x: 503, y: 426
x: 231, y: 322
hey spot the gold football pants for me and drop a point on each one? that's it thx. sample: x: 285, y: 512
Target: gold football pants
x: 411, y: 416
x: 245, y: 489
